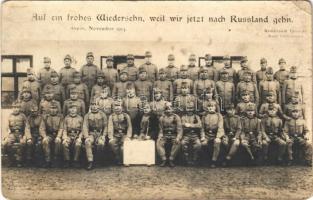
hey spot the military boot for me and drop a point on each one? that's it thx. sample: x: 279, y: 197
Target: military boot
x: 171, y: 163
x: 90, y: 165
x: 163, y: 163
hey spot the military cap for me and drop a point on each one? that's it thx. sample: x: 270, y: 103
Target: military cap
x: 208, y: 57
x: 229, y: 106
x: 269, y: 70
x: 226, y: 57
x: 72, y: 105
x: 245, y: 92
x: 26, y: 89
x: 130, y: 57
x: 142, y: 69
x: 184, y: 85
x: 208, y: 90
x: 295, y: 109
x: 210, y: 104
x: 250, y: 107
x: 270, y: 93
x: 263, y: 60
x: 73, y: 90
x: 48, y: 90
x: 295, y: 94
x: 100, y: 74
x: 162, y: 71
x: 171, y: 57
x: 168, y: 106
x: 93, y: 101
x: 109, y: 58
x: 53, y: 105
x: 281, y: 60
x: 157, y: 90
x: 46, y: 60
x: 224, y: 72
x: 293, y: 69
x: 148, y: 54
x: 30, y: 71
x: 247, y: 73
x: 192, y: 57
x: 117, y: 102
x: 89, y: 54
x: 123, y: 72
x: 54, y: 74
x: 244, y: 59
x: 130, y: 86
x: 183, y: 68
x: 190, y: 105
x: 16, y: 104
x: 76, y: 75
x: 272, y: 107
x: 68, y: 57
x: 34, y: 108
x: 203, y: 69
x: 146, y: 106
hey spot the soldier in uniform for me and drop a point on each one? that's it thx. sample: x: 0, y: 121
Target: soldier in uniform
x: 252, y: 133
x: 226, y: 91
x: 177, y: 85
x: 152, y: 70
x: 27, y: 102
x: 282, y: 74
x: 191, y: 124
x: 51, y: 131
x: 227, y: 67
x: 203, y: 83
x: 292, y: 85
x: 82, y: 89
x: 119, y: 89
x: 110, y: 74
x: 269, y: 85
x: 273, y: 133
x: 67, y: 72
x: 89, y: 71
x: 298, y: 136
x: 143, y: 85
x: 131, y: 69
x: 48, y: 99
x: 18, y: 132
x: 247, y: 85
x: 232, y: 128
x: 244, y: 103
x: 171, y: 70
x: 56, y: 87
x: 119, y: 130
x: 94, y: 131
x: 245, y: 68
x: 170, y: 132
x: 105, y: 102
x: 132, y: 105
x: 97, y: 88
x: 212, y: 71
x: 212, y: 132
x: 146, y: 124
x: 72, y: 135
x: 164, y: 85
x: 193, y: 70
x: 45, y: 72
x: 261, y: 74
x: 33, y: 85
x: 295, y: 104
x: 204, y: 100
x: 180, y: 102
x: 80, y: 104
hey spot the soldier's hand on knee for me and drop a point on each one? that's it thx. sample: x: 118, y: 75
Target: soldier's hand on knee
x: 148, y: 137
x: 177, y: 140
x: 57, y: 139
x: 127, y: 138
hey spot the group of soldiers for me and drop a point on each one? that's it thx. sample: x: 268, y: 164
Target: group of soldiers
x: 190, y: 109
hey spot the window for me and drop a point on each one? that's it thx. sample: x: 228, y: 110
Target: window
x: 13, y: 73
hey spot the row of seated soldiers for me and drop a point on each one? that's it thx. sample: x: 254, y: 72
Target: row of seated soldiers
x: 227, y: 84
x: 187, y: 121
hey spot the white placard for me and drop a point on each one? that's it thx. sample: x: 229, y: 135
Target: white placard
x: 138, y: 152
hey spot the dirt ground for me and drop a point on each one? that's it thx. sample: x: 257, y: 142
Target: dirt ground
x: 140, y: 182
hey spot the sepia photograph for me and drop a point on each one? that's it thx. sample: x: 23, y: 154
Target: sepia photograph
x: 156, y: 100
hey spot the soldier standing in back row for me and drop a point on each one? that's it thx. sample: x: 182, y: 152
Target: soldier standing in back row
x: 119, y: 89
x: 261, y: 74
x: 33, y: 85
x: 282, y: 74
x: 171, y: 71
x: 89, y: 72
x: 212, y: 71
x: 152, y: 70
x: 226, y: 91
x: 164, y: 85
x: 193, y: 70
x: 67, y: 72
x: 231, y: 71
x: 110, y: 74
x: 245, y: 68
x: 131, y: 69
x: 45, y: 73
x: 203, y: 83
x: 143, y: 85
x: 290, y: 86
x: 269, y: 85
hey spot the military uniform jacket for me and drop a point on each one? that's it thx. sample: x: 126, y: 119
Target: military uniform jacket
x: 152, y: 71
x: 97, y: 89
x: 120, y: 89
x: 273, y: 127
x: 232, y: 126
x: 290, y: 86
x: 170, y: 126
x: 119, y: 125
x: 82, y: 91
x: 27, y: 105
x: 132, y: 106
x: 45, y: 105
x: 213, y: 74
x: 226, y: 92
x: 193, y: 72
x: 231, y: 73
x: 203, y: 105
x: 281, y: 76
x: 269, y: 86
x: 132, y: 72
x: 105, y: 105
x: 289, y: 107
x: 166, y: 87
x: 251, y: 88
x: 72, y: 126
x: 171, y: 73
x: 95, y: 124
x: 242, y: 107
x: 201, y: 85
x: 181, y: 102
x: 34, y: 124
x: 59, y: 92
x: 144, y: 88
x: 34, y: 87
x: 242, y: 71
x: 296, y: 128
x: 81, y: 109
x: 252, y: 129
x: 110, y: 76
x: 264, y: 109
x: 158, y: 107
x: 260, y: 76
x: 195, y: 125
x: 44, y: 76
x: 89, y: 75
x: 19, y: 124
x: 51, y: 126
x: 177, y: 85
x: 66, y: 76
x: 212, y: 126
